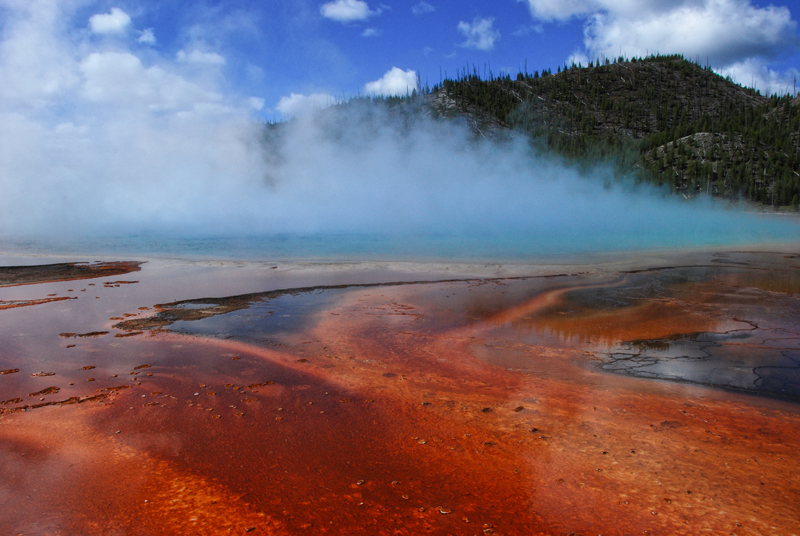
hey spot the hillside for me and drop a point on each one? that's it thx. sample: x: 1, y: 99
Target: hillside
x: 663, y: 118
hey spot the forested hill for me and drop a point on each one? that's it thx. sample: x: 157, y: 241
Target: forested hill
x: 662, y: 118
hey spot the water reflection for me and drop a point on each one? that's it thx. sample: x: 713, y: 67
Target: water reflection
x: 725, y: 327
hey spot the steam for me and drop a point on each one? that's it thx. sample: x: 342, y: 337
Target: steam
x: 101, y: 138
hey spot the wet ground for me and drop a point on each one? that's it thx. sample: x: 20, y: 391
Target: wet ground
x: 610, y: 399
x: 67, y: 271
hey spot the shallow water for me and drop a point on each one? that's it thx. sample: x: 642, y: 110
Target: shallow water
x: 546, y: 243
x: 485, y: 405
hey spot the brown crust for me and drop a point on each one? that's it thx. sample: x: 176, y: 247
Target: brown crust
x: 67, y: 402
x: 68, y: 271
x: 25, y: 303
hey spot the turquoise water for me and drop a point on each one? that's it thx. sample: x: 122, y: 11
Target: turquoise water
x: 699, y: 230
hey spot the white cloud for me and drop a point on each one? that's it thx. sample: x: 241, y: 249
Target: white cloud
x: 396, y: 82
x: 115, y: 22
x: 255, y: 73
x: 563, y: 9
x: 147, y: 37
x: 197, y: 56
x: 256, y: 103
x: 526, y: 29
x: 347, y: 10
x: 298, y: 104
x: 120, y: 78
x: 578, y: 58
x: 370, y: 32
x: 724, y: 32
x: 422, y: 8
x: 480, y: 34
x: 754, y: 73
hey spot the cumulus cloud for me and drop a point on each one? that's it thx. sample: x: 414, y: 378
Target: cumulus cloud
x: 347, y: 10
x: 753, y: 73
x: 298, y: 104
x: 422, y: 8
x: 724, y: 32
x: 480, y: 35
x: 147, y: 37
x: 197, y: 56
x: 395, y: 82
x: 256, y: 103
x: 115, y: 22
x: 370, y: 32
x: 564, y: 9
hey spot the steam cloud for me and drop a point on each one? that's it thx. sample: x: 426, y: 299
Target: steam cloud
x: 97, y: 138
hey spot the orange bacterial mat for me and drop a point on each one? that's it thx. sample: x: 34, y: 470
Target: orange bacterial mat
x: 613, y: 402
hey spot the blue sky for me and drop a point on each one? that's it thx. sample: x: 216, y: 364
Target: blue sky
x: 269, y: 50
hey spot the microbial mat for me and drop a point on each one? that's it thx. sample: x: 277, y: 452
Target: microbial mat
x: 649, y: 394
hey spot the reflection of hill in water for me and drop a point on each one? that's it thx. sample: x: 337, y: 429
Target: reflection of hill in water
x: 728, y: 327
x: 606, y: 328
x: 763, y: 360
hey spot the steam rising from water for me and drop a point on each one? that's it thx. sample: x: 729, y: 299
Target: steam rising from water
x: 98, y: 138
